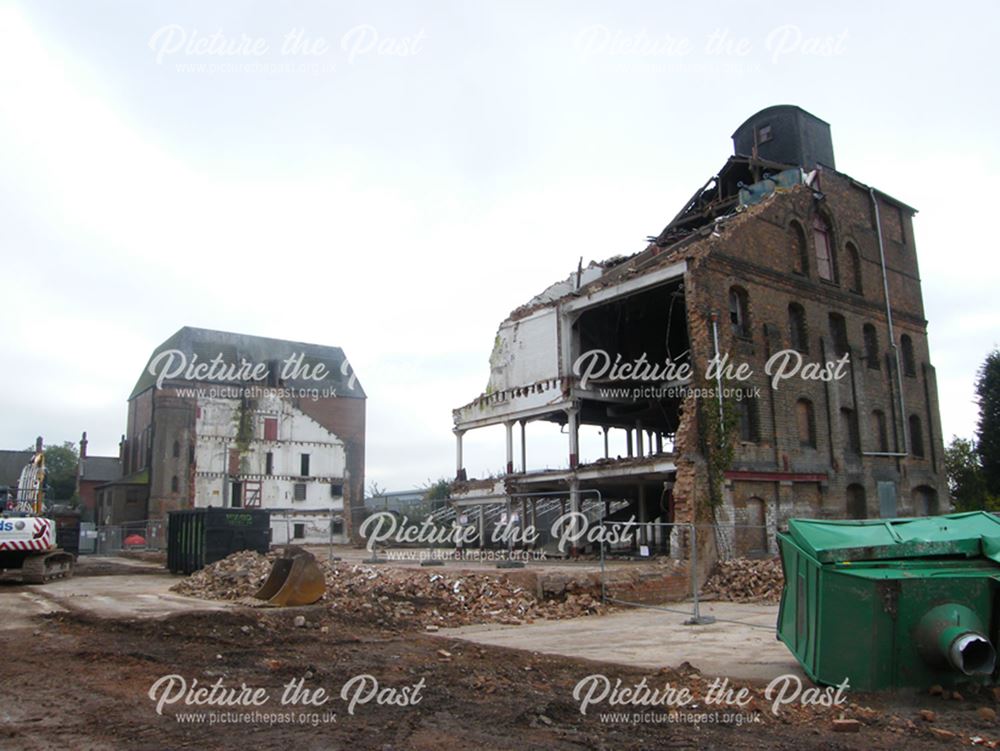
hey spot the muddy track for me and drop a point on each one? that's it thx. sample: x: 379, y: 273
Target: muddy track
x: 82, y: 682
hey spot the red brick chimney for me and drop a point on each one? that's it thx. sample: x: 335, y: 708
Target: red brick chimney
x: 83, y: 445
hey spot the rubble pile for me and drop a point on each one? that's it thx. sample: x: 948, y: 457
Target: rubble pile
x: 440, y: 599
x: 746, y: 580
x: 238, y: 575
x: 404, y: 597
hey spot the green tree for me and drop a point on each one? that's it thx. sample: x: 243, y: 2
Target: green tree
x: 988, y: 435
x: 966, y: 481
x: 60, y: 470
x: 437, y: 491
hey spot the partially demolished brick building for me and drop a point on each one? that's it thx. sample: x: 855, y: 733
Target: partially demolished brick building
x: 779, y: 255
x: 238, y: 421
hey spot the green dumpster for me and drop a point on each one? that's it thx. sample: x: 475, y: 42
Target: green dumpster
x: 892, y: 603
x: 198, y: 537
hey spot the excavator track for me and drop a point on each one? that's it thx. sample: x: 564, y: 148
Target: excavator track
x: 38, y: 569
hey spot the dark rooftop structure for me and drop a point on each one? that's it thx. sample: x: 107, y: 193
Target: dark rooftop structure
x: 11, y: 464
x: 100, y: 468
x: 202, y: 345
x: 787, y: 134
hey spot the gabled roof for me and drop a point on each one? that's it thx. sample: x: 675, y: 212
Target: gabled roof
x: 207, y: 344
x: 100, y: 468
x: 11, y: 464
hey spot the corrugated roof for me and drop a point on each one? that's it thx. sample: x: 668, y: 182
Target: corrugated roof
x: 207, y: 344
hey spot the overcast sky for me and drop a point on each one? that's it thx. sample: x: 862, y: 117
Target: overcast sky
x: 394, y: 178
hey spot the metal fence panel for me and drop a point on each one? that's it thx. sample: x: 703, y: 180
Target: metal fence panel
x: 670, y: 583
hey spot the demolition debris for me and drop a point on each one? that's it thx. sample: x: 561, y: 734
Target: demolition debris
x: 747, y: 580
x: 403, y: 597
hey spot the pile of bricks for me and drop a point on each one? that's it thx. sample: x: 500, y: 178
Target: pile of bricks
x: 746, y: 580
x: 407, y: 597
x: 437, y: 599
x: 239, y: 575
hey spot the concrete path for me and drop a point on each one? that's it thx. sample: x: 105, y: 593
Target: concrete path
x: 655, y: 639
x: 142, y: 596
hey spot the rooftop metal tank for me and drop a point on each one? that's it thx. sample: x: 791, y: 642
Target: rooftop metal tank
x: 786, y: 134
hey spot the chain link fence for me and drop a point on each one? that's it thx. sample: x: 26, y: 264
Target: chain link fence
x: 147, y: 535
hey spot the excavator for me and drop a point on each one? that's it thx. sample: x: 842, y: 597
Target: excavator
x: 27, y: 538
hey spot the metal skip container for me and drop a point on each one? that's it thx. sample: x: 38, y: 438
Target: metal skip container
x: 198, y: 537
x: 893, y: 603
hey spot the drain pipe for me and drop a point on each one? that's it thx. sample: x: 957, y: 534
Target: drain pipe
x: 718, y: 370
x: 892, y: 334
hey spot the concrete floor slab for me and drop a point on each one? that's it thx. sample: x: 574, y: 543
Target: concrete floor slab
x: 143, y: 596
x: 649, y: 638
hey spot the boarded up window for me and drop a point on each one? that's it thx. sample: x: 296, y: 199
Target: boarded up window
x: 797, y: 327
x: 824, y: 249
x: 854, y: 272
x: 300, y: 491
x: 800, y: 249
x: 916, y: 437
x: 881, y: 430
x: 270, y: 428
x: 838, y: 333
x: 909, y: 361
x: 739, y: 317
x: 857, y: 504
x: 806, y: 420
x: 871, y: 347
x: 748, y: 419
x: 849, y: 429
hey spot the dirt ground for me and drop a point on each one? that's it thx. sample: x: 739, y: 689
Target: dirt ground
x: 72, y: 680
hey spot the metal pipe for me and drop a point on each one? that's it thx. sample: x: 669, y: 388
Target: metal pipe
x: 888, y: 316
x: 696, y: 619
x: 952, y: 635
x: 718, y: 371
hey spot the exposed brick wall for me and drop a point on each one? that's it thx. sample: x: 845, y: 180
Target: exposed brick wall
x: 758, y: 252
x: 173, y: 421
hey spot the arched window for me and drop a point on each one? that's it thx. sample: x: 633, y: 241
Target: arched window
x: 751, y: 527
x: 826, y: 266
x: 881, y: 430
x: 805, y: 418
x: 854, y: 268
x: 739, y: 316
x: 909, y: 362
x: 849, y: 427
x: 800, y: 249
x: 925, y: 501
x: 916, y: 437
x: 175, y: 484
x: 857, y: 504
x: 749, y: 419
x: 838, y: 333
x: 797, y: 331
x: 871, y: 346
x: 177, y: 449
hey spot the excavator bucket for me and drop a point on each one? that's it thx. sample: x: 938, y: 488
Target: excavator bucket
x: 295, y: 579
